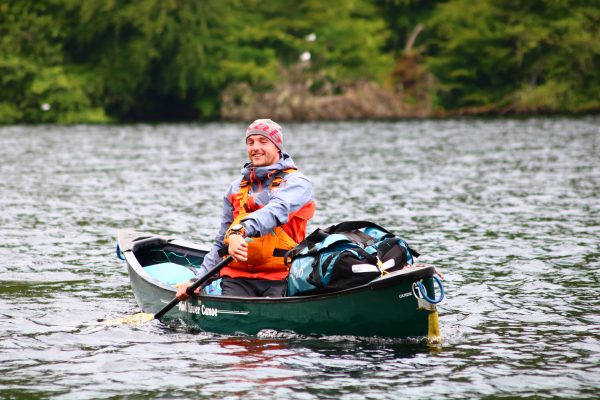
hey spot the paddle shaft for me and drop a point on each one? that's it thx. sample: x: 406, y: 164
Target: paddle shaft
x: 194, y: 286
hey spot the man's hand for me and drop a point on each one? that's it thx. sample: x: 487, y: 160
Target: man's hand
x: 238, y: 248
x: 181, y: 291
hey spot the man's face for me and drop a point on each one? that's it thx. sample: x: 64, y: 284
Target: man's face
x: 261, y: 151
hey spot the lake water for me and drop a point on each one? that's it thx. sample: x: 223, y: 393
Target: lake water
x: 507, y: 209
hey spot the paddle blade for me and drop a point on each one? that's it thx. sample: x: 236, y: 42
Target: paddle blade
x: 130, y: 320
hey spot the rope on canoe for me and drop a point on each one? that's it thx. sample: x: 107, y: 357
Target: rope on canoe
x: 423, y: 291
x: 167, y: 256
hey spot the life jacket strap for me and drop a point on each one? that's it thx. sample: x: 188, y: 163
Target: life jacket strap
x: 245, y: 186
x: 223, y: 251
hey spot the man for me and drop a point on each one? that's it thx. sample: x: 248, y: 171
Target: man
x: 265, y: 213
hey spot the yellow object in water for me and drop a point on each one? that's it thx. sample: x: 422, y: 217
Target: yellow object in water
x: 131, y: 320
x: 433, y: 331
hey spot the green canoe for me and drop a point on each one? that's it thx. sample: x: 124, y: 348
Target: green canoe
x: 396, y: 305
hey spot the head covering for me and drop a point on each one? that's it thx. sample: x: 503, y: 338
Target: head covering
x: 267, y: 128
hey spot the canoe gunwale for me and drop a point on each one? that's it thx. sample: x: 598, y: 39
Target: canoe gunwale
x: 380, y: 283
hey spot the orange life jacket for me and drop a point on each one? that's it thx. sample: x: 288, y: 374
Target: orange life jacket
x: 266, y: 253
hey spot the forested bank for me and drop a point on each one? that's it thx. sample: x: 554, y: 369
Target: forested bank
x: 167, y: 60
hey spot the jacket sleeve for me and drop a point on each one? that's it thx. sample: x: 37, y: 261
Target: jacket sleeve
x: 293, y: 193
x: 212, y: 258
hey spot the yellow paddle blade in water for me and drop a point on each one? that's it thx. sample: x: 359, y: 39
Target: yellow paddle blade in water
x: 131, y: 320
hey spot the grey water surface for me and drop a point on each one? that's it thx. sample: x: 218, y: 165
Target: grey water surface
x: 507, y: 209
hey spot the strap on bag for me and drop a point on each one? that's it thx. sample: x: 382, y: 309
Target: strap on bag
x: 319, y: 235
x: 353, y: 225
x: 316, y: 278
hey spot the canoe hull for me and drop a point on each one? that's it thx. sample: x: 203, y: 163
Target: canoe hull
x: 387, y: 307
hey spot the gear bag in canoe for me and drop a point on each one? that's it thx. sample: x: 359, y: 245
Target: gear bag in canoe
x: 343, y: 256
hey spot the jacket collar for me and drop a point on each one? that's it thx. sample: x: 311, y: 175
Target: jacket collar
x: 263, y: 173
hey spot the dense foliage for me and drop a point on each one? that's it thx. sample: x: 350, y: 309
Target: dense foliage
x: 536, y: 55
x: 122, y: 60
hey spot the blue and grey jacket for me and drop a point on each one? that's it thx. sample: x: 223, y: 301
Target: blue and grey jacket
x: 278, y: 203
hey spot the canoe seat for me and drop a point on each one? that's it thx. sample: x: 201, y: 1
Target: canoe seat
x: 169, y: 272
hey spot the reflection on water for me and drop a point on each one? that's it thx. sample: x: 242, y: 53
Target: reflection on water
x: 507, y: 209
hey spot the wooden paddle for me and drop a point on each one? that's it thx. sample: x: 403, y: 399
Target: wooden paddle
x: 195, y: 285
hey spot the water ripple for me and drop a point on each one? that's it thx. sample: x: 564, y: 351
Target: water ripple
x: 507, y: 209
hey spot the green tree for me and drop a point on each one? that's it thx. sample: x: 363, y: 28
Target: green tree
x: 344, y: 38
x: 402, y: 17
x: 156, y: 59
x: 36, y: 84
x: 539, y: 55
